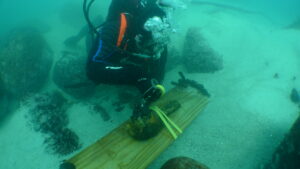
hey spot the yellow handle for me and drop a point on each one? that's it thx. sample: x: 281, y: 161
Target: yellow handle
x: 167, y: 121
x: 171, y: 122
x: 162, y: 89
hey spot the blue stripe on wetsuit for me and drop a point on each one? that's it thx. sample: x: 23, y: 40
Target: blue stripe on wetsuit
x: 99, y: 50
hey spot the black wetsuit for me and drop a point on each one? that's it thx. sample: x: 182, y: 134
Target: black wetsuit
x: 108, y: 63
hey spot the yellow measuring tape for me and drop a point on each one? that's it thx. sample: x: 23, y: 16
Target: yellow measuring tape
x: 167, y: 121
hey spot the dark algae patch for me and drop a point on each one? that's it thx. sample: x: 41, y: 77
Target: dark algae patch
x: 48, y: 115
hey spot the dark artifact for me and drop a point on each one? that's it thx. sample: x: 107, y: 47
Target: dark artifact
x: 295, y: 97
x: 183, y: 163
x: 287, y: 154
x: 148, y: 127
x: 184, y: 83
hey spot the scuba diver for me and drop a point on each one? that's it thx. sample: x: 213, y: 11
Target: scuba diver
x: 130, y: 48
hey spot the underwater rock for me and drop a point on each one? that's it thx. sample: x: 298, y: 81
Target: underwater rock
x: 62, y: 142
x: 294, y: 25
x: 48, y: 112
x: 37, y: 24
x: 287, y: 154
x: 183, y: 163
x: 295, y: 97
x: 69, y: 74
x: 8, y: 103
x: 67, y: 165
x: 198, y: 56
x: 25, y: 61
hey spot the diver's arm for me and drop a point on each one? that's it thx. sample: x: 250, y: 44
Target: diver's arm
x: 73, y: 40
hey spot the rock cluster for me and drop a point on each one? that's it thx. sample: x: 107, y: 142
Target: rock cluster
x: 69, y: 74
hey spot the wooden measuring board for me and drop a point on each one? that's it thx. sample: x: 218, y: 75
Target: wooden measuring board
x: 117, y: 150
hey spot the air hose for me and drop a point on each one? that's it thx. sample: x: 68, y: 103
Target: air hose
x: 86, y: 12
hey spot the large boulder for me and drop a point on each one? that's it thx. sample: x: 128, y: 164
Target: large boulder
x: 69, y: 74
x: 198, y: 56
x: 25, y: 62
x: 287, y: 154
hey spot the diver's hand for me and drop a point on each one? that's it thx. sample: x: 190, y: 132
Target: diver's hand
x: 156, y: 56
x: 142, y: 56
x: 141, y: 111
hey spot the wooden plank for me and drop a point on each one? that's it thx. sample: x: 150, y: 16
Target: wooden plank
x: 118, y: 150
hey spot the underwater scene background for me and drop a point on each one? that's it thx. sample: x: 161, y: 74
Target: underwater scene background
x: 245, y: 52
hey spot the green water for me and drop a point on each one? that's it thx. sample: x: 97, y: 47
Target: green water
x: 250, y: 110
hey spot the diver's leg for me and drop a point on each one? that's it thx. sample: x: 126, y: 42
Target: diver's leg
x: 123, y: 74
x: 130, y: 75
x: 73, y: 40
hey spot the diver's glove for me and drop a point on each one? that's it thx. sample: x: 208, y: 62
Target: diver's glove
x: 154, y: 93
x: 142, y: 56
x: 142, y: 110
x: 147, y: 57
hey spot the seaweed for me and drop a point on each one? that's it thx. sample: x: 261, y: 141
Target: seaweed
x: 48, y: 113
x: 48, y: 116
x: 102, y: 111
x: 62, y: 142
